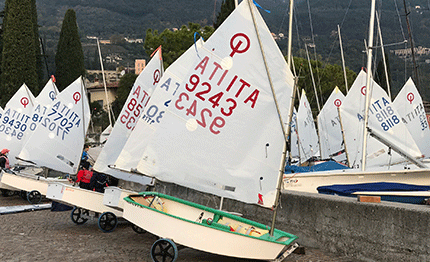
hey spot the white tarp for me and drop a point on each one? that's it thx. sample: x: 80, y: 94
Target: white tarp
x: 410, y: 106
x: 130, y: 114
x: 307, y: 132
x: 383, y: 117
x: 221, y: 133
x: 329, y: 128
x: 58, y: 140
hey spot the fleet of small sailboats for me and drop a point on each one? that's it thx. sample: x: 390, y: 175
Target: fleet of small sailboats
x: 218, y: 121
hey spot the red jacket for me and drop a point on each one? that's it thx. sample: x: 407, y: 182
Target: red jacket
x: 84, y: 176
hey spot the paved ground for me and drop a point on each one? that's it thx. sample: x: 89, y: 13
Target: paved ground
x: 52, y: 236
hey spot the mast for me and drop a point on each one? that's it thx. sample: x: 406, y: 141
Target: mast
x: 412, y: 46
x: 343, y: 58
x: 104, y: 79
x: 290, y: 33
x: 368, y: 89
x: 312, y: 77
x: 286, y: 133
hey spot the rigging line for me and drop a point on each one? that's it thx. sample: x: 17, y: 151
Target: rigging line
x: 315, y: 53
x: 297, y: 30
x: 341, y: 24
x: 403, y: 34
x: 214, y: 15
x: 283, y: 18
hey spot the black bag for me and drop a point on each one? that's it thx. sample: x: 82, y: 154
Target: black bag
x: 98, y: 182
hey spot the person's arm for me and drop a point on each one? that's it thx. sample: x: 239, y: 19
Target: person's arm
x: 2, y: 162
x: 79, y: 176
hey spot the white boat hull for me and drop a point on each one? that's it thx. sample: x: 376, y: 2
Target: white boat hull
x: 178, y: 225
x: 310, y: 181
x: 4, y: 186
x: 28, y: 182
x: 85, y: 199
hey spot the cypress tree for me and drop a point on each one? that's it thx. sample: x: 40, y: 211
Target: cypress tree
x: 18, y: 57
x: 69, y: 59
x: 227, y: 7
x: 37, y: 50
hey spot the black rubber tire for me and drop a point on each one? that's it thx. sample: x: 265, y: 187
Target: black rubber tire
x: 138, y: 229
x: 77, y: 215
x: 107, y: 222
x: 164, y: 250
x: 34, y: 197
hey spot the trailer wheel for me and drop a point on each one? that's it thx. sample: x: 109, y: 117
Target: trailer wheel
x: 34, y: 197
x: 164, y: 250
x: 79, y: 216
x: 107, y: 222
x: 138, y: 229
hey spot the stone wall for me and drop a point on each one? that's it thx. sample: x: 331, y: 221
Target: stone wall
x: 383, y: 231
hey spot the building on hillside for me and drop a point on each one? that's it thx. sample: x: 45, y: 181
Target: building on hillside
x: 407, y: 52
x: 139, y: 65
x: 95, y: 86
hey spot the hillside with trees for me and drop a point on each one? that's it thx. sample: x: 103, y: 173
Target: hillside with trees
x: 315, y: 23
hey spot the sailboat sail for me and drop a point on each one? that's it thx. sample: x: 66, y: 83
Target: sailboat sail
x: 308, y: 137
x: 383, y: 118
x: 222, y: 132
x: 329, y: 127
x: 133, y: 109
x: 154, y: 111
x: 16, y: 120
x: 42, y: 103
x: 58, y: 140
x: 410, y: 106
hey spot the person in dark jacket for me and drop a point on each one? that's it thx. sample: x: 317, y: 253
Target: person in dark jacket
x: 98, y: 182
x: 4, y: 160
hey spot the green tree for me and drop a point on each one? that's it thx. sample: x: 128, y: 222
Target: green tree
x: 69, y: 59
x: 37, y: 49
x: 19, y: 56
x: 174, y: 43
x: 125, y: 85
x: 227, y: 7
x: 380, y: 76
x: 331, y: 75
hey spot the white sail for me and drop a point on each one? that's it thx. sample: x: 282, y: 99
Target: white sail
x: 104, y: 136
x: 222, y: 133
x: 410, y: 106
x: 154, y: 111
x: 307, y: 132
x: 48, y: 94
x: 16, y: 121
x: 130, y: 114
x: 42, y: 103
x: 58, y: 140
x: 329, y: 128
x: 383, y: 118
